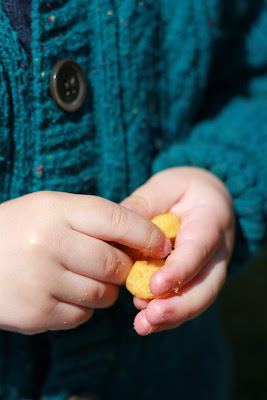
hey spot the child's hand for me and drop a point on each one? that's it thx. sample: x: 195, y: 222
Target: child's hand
x: 55, y: 263
x: 203, y: 246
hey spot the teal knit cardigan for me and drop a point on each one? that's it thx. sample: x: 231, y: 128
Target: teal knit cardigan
x: 170, y: 83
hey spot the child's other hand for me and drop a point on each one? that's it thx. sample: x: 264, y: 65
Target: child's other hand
x: 203, y: 247
x: 56, y: 264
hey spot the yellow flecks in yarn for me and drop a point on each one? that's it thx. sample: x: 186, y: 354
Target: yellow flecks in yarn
x: 140, y: 3
x: 97, y: 8
x: 39, y: 171
x: 109, y: 12
x: 135, y: 111
x: 100, y: 174
x: 49, y: 158
x: 38, y: 174
x: 42, y: 74
x: 51, y: 18
x: 59, y: 43
x: 36, y: 59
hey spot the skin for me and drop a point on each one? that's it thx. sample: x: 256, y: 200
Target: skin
x: 59, y: 259
x: 203, y: 247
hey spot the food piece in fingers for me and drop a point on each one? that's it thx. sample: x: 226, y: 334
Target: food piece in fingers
x: 169, y: 223
x: 138, y: 279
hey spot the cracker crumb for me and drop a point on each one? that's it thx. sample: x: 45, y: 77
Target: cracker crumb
x: 135, y: 200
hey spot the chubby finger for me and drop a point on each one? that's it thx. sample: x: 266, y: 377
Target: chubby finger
x: 156, y: 196
x: 140, y: 304
x: 108, y: 221
x: 93, y: 258
x: 84, y: 292
x: 196, y: 243
x: 68, y: 316
x: 191, y: 301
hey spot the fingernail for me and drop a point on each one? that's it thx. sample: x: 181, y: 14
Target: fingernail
x: 167, y: 247
x: 150, y: 331
x: 165, y: 288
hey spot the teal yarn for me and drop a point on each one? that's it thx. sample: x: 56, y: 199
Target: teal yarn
x: 236, y: 144
x: 170, y: 83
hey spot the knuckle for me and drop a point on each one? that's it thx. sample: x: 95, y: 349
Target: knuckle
x: 98, y: 293
x: 111, y: 265
x: 44, y: 232
x: 33, y: 241
x: 37, y: 241
x: 78, y: 317
x: 55, y: 315
x: 112, y: 297
x: 142, y: 197
x: 105, y: 296
x: 61, y: 317
x: 47, y: 200
x: 153, y: 235
x: 119, y: 218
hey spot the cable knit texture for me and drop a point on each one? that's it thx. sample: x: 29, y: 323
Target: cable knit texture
x: 170, y: 83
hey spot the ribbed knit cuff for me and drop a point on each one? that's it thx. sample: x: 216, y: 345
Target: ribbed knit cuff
x: 240, y: 179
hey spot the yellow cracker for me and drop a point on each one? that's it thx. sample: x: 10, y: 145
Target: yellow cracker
x: 169, y: 223
x: 138, y: 279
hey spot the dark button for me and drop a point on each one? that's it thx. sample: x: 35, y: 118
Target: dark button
x: 83, y: 396
x: 68, y: 85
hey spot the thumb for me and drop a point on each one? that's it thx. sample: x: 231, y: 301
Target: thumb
x: 158, y: 194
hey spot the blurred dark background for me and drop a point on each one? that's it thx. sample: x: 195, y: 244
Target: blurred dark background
x: 243, y: 304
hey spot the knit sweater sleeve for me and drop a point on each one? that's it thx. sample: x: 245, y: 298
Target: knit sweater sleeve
x: 230, y: 140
